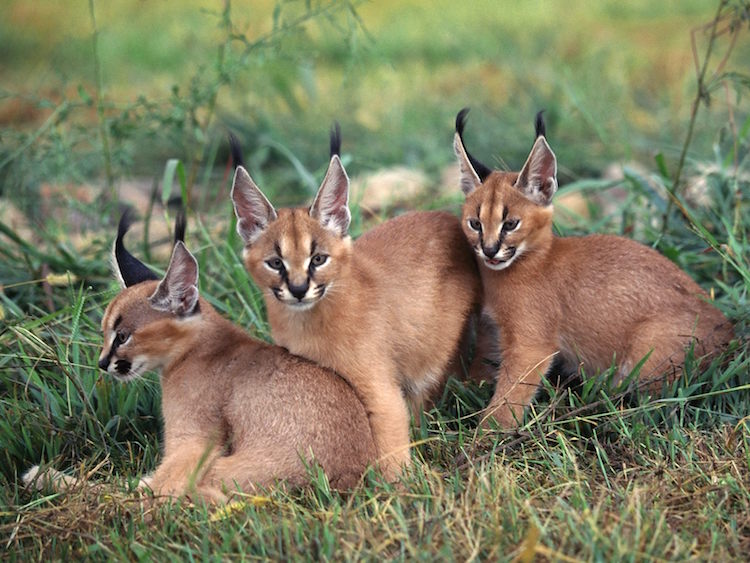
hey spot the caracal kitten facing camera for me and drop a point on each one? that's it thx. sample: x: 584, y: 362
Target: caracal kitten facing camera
x: 588, y: 300
x: 387, y: 311
x: 237, y: 412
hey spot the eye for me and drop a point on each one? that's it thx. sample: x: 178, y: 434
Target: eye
x: 475, y: 225
x: 275, y: 264
x: 120, y: 338
x: 510, y: 225
x: 318, y: 260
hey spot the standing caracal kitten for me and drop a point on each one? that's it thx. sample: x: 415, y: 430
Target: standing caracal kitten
x: 589, y: 300
x: 387, y: 312
x: 237, y: 412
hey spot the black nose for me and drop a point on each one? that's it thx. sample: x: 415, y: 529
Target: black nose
x: 104, y: 363
x: 490, y: 251
x: 299, y: 291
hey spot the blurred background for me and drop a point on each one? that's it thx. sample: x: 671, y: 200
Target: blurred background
x: 101, y: 92
x: 105, y: 104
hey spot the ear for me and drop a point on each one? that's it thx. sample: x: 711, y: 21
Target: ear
x: 473, y: 172
x: 127, y: 268
x: 254, y: 211
x: 538, y: 177
x: 331, y: 204
x: 177, y: 293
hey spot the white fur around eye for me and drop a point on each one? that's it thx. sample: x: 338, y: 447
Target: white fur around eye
x: 323, y: 265
x: 518, y: 226
x: 274, y: 270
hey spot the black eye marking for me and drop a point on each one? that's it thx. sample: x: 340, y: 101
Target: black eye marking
x: 275, y: 263
x: 120, y: 338
x: 505, y: 213
x: 118, y: 320
x: 475, y: 224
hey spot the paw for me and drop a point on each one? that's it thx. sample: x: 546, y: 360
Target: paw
x: 393, y: 466
x: 145, y: 483
x: 499, y: 418
x: 31, y: 476
x: 39, y: 480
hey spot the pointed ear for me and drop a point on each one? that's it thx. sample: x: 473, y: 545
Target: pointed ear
x: 177, y: 293
x: 331, y: 205
x: 254, y: 211
x: 473, y: 172
x: 469, y: 178
x: 127, y: 268
x: 538, y: 177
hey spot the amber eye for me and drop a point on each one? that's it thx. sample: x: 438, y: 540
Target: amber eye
x: 275, y: 264
x: 510, y: 225
x: 475, y: 224
x: 318, y: 260
x: 120, y: 338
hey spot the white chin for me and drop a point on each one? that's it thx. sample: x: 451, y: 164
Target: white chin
x: 130, y: 376
x: 299, y: 306
x: 498, y: 265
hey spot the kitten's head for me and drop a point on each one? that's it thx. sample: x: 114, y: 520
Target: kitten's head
x: 144, y: 325
x: 296, y: 255
x: 507, y: 214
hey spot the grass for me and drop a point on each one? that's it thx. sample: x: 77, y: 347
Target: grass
x: 594, y: 474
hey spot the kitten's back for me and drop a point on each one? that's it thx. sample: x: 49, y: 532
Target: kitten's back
x: 292, y: 408
x: 427, y: 283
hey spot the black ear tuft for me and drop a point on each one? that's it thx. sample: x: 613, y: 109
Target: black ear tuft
x: 481, y: 170
x: 541, y: 128
x: 131, y: 270
x: 180, y: 224
x: 335, y: 139
x: 236, y: 150
x: 461, y: 121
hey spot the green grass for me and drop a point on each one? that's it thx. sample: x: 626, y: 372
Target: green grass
x: 593, y: 474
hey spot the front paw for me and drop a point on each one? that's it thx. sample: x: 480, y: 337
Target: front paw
x: 393, y: 466
x: 500, y: 417
x: 39, y: 479
x: 145, y: 483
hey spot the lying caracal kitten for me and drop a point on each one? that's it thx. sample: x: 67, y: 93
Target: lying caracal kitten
x: 387, y: 312
x: 589, y: 300
x: 237, y: 412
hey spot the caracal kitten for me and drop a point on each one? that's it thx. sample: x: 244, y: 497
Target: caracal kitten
x: 588, y: 300
x: 387, y: 311
x: 238, y: 412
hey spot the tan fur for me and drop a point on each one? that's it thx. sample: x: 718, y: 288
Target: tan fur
x: 387, y: 312
x: 396, y: 304
x: 237, y: 412
x: 591, y: 300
